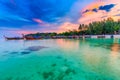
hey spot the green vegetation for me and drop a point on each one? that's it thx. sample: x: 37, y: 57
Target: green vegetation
x: 108, y: 26
x: 42, y: 34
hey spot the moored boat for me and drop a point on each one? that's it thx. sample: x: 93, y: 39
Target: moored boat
x: 14, y: 38
x: 32, y: 37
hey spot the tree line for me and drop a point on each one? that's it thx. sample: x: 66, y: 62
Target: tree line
x: 108, y: 26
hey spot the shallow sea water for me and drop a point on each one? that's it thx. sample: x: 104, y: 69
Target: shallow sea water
x: 60, y: 59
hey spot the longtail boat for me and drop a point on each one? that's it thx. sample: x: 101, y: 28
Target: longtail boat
x: 32, y: 37
x: 14, y: 38
x: 24, y: 38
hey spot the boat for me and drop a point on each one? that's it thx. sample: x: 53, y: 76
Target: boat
x: 14, y: 38
x: 32, y: 37
x: 24, y: 37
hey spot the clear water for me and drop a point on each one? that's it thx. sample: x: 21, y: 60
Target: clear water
x: 62, y: 59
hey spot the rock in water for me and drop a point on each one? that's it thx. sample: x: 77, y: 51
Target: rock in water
x: 25, y: 52
x: 35, y: 48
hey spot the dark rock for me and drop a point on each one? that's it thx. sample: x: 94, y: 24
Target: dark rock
x: 53, y: 65
x: 60, y: 76
x: 46, y: 75
x: 68, y: 71
x: 35, y: 48
x: 25, y: 52
x: 9, y: 78
x: 59, y: 57
x: 38, y: 73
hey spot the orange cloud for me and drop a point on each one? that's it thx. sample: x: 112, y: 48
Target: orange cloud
x: 63, y: 27
x: 91, y: 6
x: 91, y: 16
x: 68, y: 26
x: 94, y: 5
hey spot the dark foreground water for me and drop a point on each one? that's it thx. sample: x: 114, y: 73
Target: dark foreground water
x: 62, y: 59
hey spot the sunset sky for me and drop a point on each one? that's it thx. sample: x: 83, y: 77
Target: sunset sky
x: 30, y: 16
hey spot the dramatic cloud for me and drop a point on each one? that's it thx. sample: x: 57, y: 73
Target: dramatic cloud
x: 107, y: 8
x: 100, y: 10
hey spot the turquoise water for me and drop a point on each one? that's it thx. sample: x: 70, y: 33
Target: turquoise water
x: 61, y: 59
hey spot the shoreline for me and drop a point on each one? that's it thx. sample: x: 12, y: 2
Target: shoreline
x: 68, y: 37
